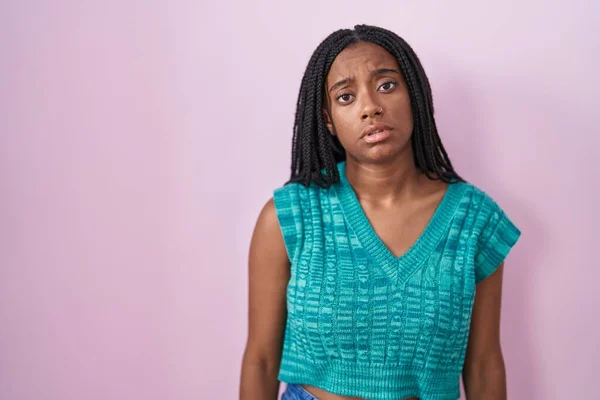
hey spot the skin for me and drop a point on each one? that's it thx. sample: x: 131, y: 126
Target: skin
x: 268, y: 275
x: 365, y: 86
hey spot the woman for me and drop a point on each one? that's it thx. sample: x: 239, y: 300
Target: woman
x: 376, y: 271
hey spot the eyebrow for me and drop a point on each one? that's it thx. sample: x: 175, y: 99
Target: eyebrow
x: 379, y: 71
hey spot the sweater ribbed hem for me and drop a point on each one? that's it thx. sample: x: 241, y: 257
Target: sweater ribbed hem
x: 372, y: 381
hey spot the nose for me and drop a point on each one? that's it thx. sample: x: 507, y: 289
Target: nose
x: 371, y: 110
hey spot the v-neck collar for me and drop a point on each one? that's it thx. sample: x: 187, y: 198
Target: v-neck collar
x: 397, y: 268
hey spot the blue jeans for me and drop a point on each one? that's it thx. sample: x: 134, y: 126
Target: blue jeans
x: 296, y: 392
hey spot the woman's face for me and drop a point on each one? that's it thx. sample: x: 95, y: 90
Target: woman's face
x: 364, y: 88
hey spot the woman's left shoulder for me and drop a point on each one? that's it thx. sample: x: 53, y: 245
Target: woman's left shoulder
x: 485, y: 212
x: 477, y: 198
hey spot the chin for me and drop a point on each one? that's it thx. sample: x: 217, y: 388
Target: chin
x: 378, y: 155
x: 385, y: 152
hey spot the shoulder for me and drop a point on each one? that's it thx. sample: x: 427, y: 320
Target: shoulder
x: 280, y: 212
x: 287, y: 190
x: 478, y: 212
x: 488, y: 218
x: 267, y: 225
x: 286, y: 198
x: 297, y: 188
x: 296, y: 195
x: 478, y: 201
x: 291, y: 206
x: 296, y: 200
x: 494, y: 233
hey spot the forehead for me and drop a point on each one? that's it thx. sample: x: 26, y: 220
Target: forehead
x: 359, y: 58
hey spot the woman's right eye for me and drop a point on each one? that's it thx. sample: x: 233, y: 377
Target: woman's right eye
x: 344, y: 97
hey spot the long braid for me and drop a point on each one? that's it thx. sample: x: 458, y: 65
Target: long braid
x: 315, y: 152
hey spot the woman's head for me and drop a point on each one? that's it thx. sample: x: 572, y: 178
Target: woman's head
x: 366, y: 78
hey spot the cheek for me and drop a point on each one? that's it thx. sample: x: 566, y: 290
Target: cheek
x: 341, y: 118
x: 403, y: 116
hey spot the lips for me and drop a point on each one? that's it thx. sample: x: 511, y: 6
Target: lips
x: 374, y: 128
x: 376, y: 132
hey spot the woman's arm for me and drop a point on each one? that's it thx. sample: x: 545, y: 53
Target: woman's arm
x: 268, y: 276
x: 484, y: 376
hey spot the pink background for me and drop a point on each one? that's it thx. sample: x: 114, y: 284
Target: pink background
x: 139, y: 139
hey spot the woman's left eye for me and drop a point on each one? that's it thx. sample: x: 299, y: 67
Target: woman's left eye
x: 388, y: 85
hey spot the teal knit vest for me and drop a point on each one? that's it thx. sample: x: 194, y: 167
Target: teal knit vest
x: 363, y: 322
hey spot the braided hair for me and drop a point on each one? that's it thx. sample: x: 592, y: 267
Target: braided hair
x: 315, y: 152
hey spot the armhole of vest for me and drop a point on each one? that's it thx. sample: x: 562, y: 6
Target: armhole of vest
x: 289, y: 215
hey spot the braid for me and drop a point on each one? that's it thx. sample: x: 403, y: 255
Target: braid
x: 315, y: 152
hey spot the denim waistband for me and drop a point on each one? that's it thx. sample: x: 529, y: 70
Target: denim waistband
x: 295, y: 391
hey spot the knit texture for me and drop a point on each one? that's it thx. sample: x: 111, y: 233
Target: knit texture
x: 363, y: 322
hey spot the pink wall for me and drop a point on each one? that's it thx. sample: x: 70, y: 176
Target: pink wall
x: 138, y: 141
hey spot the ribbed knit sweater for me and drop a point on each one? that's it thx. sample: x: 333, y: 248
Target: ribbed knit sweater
x: 363, y: 322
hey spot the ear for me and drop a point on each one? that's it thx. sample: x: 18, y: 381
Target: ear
x: 328, y: 122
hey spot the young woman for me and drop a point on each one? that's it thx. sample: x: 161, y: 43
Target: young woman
x: 376, y: 271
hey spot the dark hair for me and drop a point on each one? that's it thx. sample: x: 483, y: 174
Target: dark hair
x: 315, y: 152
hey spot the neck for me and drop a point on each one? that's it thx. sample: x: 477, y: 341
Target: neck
x: 384, y: 183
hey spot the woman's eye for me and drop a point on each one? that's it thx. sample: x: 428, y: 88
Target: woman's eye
x: 388, y: 85
x: 344, y: 98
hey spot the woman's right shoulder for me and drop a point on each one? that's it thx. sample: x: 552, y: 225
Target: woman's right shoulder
x: 287, y: 209
x: 284, y: 193
x: 267, y: 232
x: 280, y: 206
x: 290, y: 187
